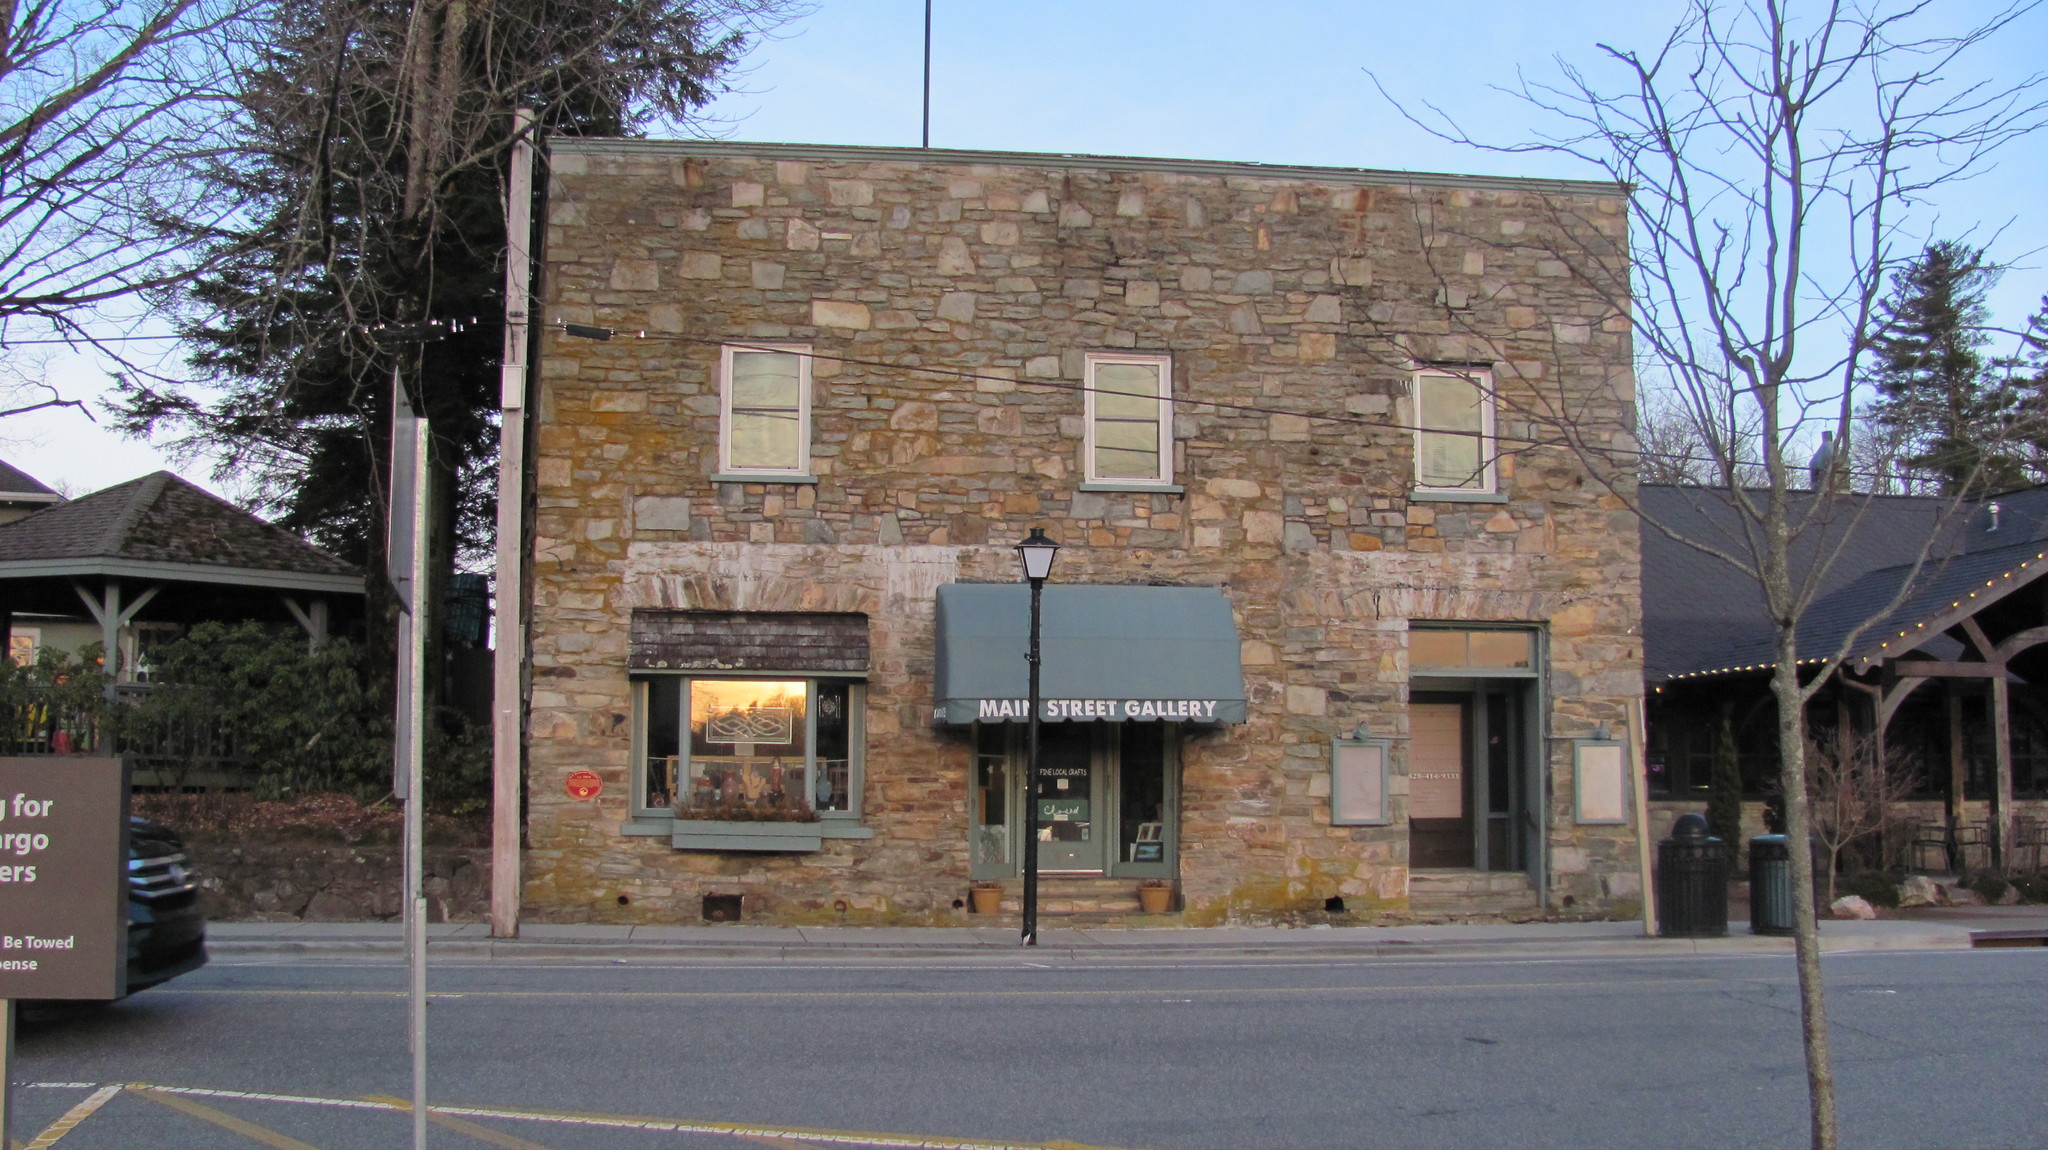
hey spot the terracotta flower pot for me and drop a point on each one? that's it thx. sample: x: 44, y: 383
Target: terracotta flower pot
x: 1155, y: 899
x: 987, y: 899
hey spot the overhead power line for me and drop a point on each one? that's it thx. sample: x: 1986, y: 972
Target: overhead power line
x: 594, y: 332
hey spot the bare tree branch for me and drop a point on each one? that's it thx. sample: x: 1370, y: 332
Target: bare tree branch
x: 1777, y: 154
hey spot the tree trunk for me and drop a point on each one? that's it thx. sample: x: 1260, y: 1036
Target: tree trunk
x: 1813, y: 1020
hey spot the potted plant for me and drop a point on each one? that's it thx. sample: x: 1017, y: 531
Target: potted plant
x: 986, y: 896
x: 1155, y: 896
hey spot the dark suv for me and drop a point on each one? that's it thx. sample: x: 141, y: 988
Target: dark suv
x: 166, y: 932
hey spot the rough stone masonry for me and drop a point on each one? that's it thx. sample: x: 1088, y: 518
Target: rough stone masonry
x: 950, y: 299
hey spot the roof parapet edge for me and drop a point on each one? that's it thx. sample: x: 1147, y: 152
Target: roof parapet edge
x: 587, y: 145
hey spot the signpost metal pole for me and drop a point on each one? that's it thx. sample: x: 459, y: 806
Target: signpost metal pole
x: 6, y: 1067
x: 407, y: 555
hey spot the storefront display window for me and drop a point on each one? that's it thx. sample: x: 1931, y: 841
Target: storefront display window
x: 1141, y: 780
x: 752, y: 750
x: 991, y: 846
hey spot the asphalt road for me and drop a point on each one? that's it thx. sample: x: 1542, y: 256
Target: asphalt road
x: 1932, y: 1050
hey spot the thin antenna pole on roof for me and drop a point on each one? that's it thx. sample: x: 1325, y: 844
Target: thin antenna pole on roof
x: 927, y: 74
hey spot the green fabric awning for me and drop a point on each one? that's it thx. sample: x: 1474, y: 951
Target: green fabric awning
x: 1119, y: 654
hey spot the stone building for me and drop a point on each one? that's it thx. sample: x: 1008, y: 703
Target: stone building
x: 1337, y: 625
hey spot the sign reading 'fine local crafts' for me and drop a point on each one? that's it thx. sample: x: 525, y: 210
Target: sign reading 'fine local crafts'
x: 63, y: 877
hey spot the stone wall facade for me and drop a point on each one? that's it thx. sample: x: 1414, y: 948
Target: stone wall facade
x: 949, y: 300
x: 328, y: 882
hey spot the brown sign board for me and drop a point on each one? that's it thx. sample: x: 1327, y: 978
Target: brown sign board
x: 63, y: 877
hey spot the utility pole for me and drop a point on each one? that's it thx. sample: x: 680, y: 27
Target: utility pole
x: 509, y: 623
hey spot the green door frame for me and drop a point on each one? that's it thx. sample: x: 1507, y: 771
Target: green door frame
x: 1105, y: 804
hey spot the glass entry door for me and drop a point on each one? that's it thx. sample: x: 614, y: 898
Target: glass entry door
x: 1439, y: 792
x: 1106, y: 796
x: 1070, y: 831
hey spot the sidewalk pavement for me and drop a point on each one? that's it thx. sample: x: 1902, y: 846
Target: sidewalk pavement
x: 232, y: 941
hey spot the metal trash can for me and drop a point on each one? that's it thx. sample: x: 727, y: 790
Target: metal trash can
x: 1770, y: 885
x: 1692, y: 882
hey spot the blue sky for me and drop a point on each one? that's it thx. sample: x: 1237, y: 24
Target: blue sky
x: 1281, y: 81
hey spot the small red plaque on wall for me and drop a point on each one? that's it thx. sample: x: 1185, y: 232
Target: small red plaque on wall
x: 583, y: 785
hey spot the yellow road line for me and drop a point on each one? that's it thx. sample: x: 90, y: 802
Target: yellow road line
x: 462, y: 1126
x: 1149, y: 992
x: 754, y: 1130
x: 229, y: 1122
x: 72, y: 1117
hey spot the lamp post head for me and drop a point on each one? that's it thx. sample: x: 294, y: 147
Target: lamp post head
x: 1036, y: 553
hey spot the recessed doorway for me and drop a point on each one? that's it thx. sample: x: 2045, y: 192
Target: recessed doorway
x: 1105, y: 792
x: 1474, y: 791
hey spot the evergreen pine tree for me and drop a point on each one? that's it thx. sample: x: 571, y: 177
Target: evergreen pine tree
x: 2026, y: 374
x: 369, y: 146
x: 1937, y: 396
x: 1724, y: 786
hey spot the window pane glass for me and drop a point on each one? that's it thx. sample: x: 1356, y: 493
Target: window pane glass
x: 765, y: 379
x: 991, y: 796
x: 1500, y: 649
x: 833, y: 788
x: 1141, y: 792
x: 766, y: 398
x: 1065, y: 790
x: 1436, y: 648
x: 1127, y: 435
x: 765, y: 439
x: 1113, y: 463
x: 1115, y: 381
x: 1127, y: 421
x: 664, y: 740
x: 747, y: 750
x: 1449, y: 403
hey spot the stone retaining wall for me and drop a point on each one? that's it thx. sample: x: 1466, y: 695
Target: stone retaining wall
x: 327, y: 882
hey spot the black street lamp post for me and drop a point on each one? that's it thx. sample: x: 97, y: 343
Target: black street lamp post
x: 1036, y: 553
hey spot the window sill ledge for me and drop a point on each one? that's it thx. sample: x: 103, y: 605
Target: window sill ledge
x: 1423, y: 495
x: 1136, y: 488
x: 717, y: 835
x: 697, y: 834
x: 728, y: 477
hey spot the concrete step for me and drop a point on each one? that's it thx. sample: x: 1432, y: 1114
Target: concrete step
x: 1075, y: 898
x: 1471, y: 892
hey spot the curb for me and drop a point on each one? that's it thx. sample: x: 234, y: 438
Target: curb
x: 619, y: 952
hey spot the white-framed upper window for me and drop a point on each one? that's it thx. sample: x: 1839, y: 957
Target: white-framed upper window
x: 764, y: 411
x: 1130, y: 419
x: 1454, y: 449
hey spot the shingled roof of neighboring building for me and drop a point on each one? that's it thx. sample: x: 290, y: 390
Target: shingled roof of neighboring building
x: 161, y: 519
x: 19, y: 486
x: 1702, y: 615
